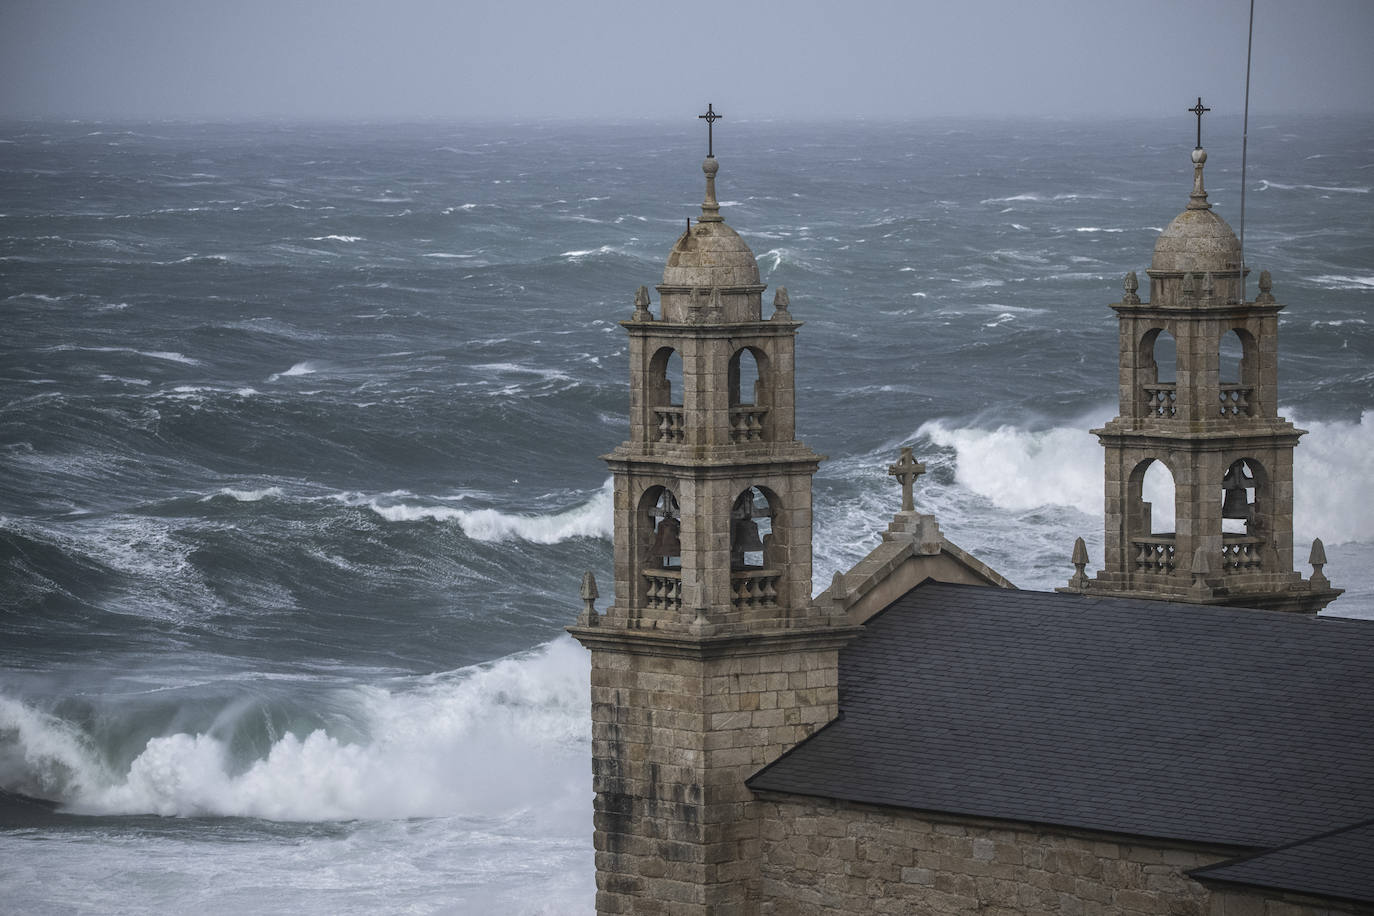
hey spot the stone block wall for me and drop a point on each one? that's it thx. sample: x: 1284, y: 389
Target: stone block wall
x: 677, y: 726
x: 827, y: 857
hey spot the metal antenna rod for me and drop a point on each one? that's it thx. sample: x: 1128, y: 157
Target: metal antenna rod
x: 1244, y: 145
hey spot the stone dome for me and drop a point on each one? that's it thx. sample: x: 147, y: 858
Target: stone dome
x: 1197, y: 240
x: 710, y: 253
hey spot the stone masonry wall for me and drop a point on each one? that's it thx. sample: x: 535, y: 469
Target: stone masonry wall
x: 674, y: 736
x: 827, y: 857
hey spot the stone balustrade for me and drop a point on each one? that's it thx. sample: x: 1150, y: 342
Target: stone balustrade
x: 1235, y: 400
x: 1155, y: 553
x: 671, y: 426
x: 664, y: 588
x: 1161, y: 399
x: 1241, y: 553
x: 751, y: 588
x: 746, y: 423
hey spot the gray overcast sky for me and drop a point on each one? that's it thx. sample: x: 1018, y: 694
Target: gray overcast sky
x: 644, y: 59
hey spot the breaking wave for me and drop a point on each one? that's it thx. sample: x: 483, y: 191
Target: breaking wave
x: 1019, y: 469
x: 491, y: 739
x: 592, y: 518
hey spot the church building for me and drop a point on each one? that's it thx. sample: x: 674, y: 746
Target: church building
x: 1179, y: 734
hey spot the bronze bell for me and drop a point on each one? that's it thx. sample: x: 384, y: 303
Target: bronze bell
x: 667, y: 539
x: 745, y: 535
x: 1234, y: 503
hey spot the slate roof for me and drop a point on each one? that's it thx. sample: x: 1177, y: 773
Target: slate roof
x: 1335, y: 864
x: 1203, y: 724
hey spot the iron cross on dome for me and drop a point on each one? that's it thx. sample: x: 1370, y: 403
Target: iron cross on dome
x: 1196, y: 109
x: 907, y: 470
x: 710, y: 118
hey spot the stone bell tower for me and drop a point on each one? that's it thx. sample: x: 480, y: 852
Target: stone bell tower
x: 712, y: 660
x: 1210, y: 419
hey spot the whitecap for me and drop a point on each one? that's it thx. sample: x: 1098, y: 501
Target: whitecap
x: 592, y: 518
x: 245, y: 496
x: 336, y: 238
x: 308, y: 367
x: 1344, y: 281
x: 493, y: 739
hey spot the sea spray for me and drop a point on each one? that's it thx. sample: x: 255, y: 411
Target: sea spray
x: 489, y: 740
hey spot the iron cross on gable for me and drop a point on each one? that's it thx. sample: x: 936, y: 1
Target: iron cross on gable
x: 1197, y: 110
x: 710, y: 118
x: 907, y: 470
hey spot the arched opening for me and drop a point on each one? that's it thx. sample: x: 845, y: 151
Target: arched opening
x: 1151, y: 509
x: 1236, y: 365
x: 1163, y: 353
x: 663, y: 395
x: 751, y: 530
x: 665, y: 378
x: 1241, y: 490
x: 750, y: 395
x: 1159, y: 359
x: 746, y: 377
x: 661, y: 542
x: 1150, y: 517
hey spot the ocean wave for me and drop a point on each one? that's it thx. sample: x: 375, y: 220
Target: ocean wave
x: 245, y: 496
x: 167, y: 355
x: 307, y: 367
x: 592, y: 519
x: 336, y: 238
x: 1265, y: 185
x: 1344, y: 281
x: 1019, y: 469
x: 583, y: 254
x: 494, y: 739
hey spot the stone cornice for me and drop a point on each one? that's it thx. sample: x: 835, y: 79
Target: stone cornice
x: 636, y: 641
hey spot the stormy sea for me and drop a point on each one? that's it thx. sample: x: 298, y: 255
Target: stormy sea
x: 300, y: 429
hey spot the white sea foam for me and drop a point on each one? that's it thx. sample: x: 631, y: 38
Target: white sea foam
x: 1265, y: 185
x: 490, y: 740
x: 336, y: 238
x: 308, y: 367
x: 1019, y: 469
x: 246, y: 496
x: 589, y: 252
x: 592, y: 518
x: 168, y: 355
x: 1344, y: 281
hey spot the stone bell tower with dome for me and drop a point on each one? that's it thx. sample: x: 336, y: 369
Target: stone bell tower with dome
x: 1211, y: 421
x: 712, y: 660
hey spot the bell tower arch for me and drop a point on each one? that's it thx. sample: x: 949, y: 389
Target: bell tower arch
x: 712, y: 660
x: 1213, y: 421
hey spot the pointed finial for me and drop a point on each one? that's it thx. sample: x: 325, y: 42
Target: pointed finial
x: 1208, y: 286
x: 642, y: 312
x: 1130, y: 284
x: 710, y: 208
x: 700, y: 625
x: 1202, y: 568
x: 1317, y: 559
x: 780, y: 303
x: 1198, y: 199
x: 1079, y: 580
x: 589, y: 617
x: 1189, y: 284
x: 1266, y: 288
x: 716, y: 305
